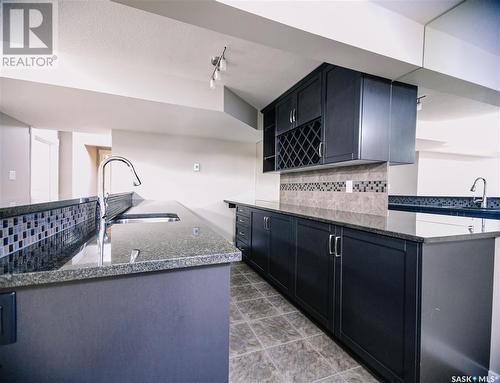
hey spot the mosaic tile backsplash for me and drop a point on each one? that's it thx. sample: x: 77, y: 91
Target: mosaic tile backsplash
x: 493, y: 202
x: 24, y: 230
x: 326, y: 188
x: 51, y: 252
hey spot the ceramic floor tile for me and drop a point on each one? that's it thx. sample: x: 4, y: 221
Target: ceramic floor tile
x: 257, y: 308
x: 332, y: 352
x: 255, y: 367
x: 300, y: 362
x: 238, y: 280
x: 303, y: 324
x: 282, y: 304
x: 253, y: 277
x: 245, y: 292
x: 242, y: 340
x: 358, y: 375
x: 266, y: 289
x: 337, y: 378
x: 234, y: 314
x: 243, y: 268
x: 274, y: 331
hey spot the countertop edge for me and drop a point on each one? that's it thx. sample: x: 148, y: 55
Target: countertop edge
x: 429, y: 240
x: 8, y: 282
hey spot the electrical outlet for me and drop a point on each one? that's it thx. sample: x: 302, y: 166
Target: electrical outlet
x: 12, y: 175
x: 196, y: 167
x: 348, y: 186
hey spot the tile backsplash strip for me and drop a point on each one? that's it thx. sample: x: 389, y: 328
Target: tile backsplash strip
x: 49, y: 253
x: 493, y: 202
x: 20, y: 231
x: 327, y: 188
x: 25, y: 230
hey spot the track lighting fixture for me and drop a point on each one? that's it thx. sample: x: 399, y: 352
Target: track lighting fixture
x: 220, y: 64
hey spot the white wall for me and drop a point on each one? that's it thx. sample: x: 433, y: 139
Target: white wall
x: 14, y: 155
x: 451, y: 154
x: 164, y: 164
x: 65, y: 165
x: 84, y: 182
x: 465, y: 43
x: 403, y: 179
x: 267, y: 185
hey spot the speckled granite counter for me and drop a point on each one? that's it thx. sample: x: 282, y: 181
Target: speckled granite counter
x: 418, y: 227
x: 189, y: 242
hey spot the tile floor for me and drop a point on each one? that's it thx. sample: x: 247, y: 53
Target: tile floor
x: 271, y: 341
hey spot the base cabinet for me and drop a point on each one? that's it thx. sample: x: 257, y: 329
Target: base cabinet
x: 314, y: 270
x: 377, y: 309
x: 385, y: 299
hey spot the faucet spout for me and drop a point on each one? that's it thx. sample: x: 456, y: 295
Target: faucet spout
x: 103, y: 196
x: 479, y: 201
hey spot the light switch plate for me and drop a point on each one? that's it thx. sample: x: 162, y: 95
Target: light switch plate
x: 348, y: 186
x: 12, y: 175
x: 196, y: 167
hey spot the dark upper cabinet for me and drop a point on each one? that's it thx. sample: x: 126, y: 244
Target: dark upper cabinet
x: 314, y: 273
x: 269, y: 140
x: 336, y: 115
x: 377, y: 302
x: 357, y: 116
x: 259, y: 242
x: 343, y: 97
x: 308, y: 101
x: 403, y: 123
x: 284, y: 113
x: 281, y: 260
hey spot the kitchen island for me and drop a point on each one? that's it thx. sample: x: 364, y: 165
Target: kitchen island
x: 409, y: 294
x: 153, y: 306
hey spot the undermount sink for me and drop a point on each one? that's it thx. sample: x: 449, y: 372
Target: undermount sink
x: 146, y: 218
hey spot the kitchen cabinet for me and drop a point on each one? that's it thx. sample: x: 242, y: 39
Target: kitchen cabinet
x: 377, y: 301
x: 259, y: 244
x: 314, y: 273
x: 285, y: 110
x: 357, y: 116
x: 384, y: 298
x: 269, y: 140
x: 338, y: 116
x: 281, y: 251
x: 271, y: 247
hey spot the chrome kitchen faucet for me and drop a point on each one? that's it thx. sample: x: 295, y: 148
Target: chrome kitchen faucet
x: 103, y: 196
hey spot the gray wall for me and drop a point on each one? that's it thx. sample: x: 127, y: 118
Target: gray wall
x: 151, y: 327
x: 14, y: 155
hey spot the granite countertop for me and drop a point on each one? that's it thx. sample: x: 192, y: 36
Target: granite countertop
x: 419, y: 227
x: 189, y: 242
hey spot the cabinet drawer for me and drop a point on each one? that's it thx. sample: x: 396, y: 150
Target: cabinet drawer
x: 242, y: 233
x: 243, y: 210
x: 242, y: 220
x: 243, y: 246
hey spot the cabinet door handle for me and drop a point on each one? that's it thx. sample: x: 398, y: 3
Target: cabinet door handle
x: 337, y: 253
x: 320, y: 149
x: 293, y: 114
x: 330, y: 244
x: 290, y: 116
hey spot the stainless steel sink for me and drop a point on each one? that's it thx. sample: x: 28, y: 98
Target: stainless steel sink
x: 145, y: 218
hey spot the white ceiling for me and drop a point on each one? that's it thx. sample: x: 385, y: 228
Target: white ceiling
x: 60, y: 108
x: 421, y: 11
x: 438, y: 106
x: 97, y: 37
